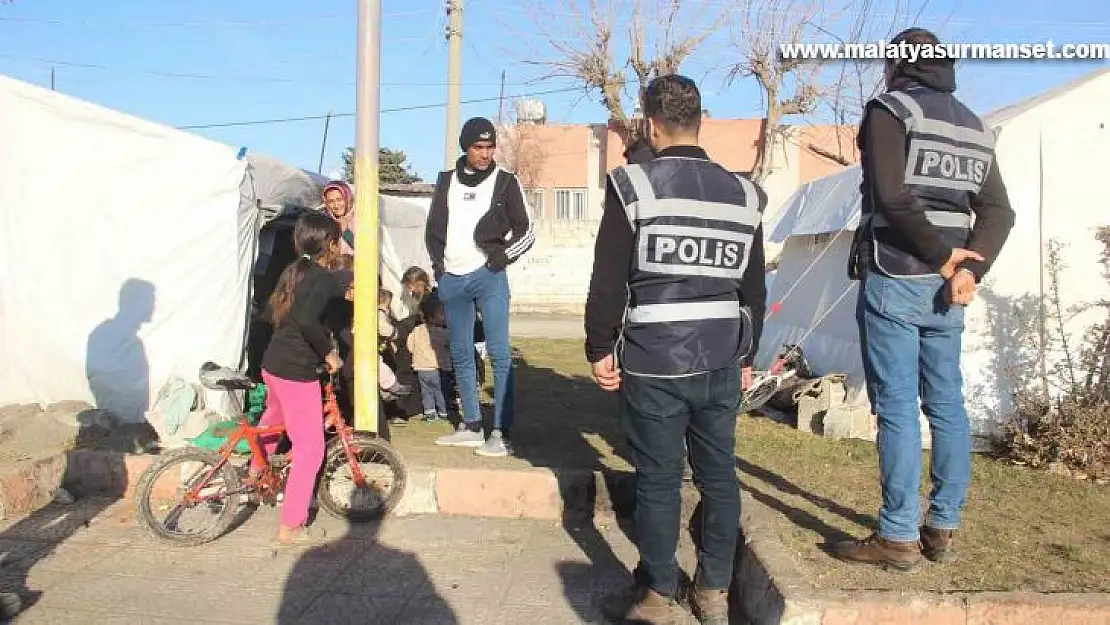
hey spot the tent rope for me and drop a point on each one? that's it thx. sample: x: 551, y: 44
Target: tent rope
x: 775, y: 306
x: 797, y: 345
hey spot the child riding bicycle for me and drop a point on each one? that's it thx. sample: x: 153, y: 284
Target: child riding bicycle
x: 300, y: 343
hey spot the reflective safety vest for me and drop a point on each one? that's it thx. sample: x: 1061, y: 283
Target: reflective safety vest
x: 949, y: 152
x: 694, y: 224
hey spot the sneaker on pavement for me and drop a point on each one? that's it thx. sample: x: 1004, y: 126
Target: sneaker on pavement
x: 399, y: 421
x: 463, y: 437
x: 497, y: 446
x: 889, y: 554
x: 640, y: 606
x: 937, y: 544
x: 305, y: 535
x: 429, y: 417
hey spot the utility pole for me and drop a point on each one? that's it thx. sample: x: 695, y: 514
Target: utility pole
x: 52, y: 79
x: 454, y: 77
x: 501, y: 99
x: 367, y: 117
x: 324, y: 144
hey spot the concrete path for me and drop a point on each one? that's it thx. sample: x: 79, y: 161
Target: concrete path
x: 547, y: 327
x: 89, y: 563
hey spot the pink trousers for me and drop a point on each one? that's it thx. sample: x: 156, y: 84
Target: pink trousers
x: 300, y: 407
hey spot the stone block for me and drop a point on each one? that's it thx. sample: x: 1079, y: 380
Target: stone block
x: 420, y: 494
x: 30, y: 485
x: 1030, y: 608
x: 862, y: 609
x: 503, y: 494
x: 842, y: 421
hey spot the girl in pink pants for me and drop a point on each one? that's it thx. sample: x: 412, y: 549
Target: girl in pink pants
x: 300, y: 344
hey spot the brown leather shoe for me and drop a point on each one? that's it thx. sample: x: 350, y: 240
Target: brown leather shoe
x: 710, y: 606
x: 641, y: 606
x: 901, y: 556
x: 937, y: 544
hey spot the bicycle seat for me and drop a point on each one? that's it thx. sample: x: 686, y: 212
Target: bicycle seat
x: 217, y: 378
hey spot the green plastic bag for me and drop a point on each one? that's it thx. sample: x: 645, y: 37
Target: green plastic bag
x: 210, y: 438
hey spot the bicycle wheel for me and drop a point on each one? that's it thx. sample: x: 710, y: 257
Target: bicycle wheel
x: 213, y: 479
x: 383, y: 469
x: 755, y: 397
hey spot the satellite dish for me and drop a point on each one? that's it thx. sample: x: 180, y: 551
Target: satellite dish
x: 530, y: 111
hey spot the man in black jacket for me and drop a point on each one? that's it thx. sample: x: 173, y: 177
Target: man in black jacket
x: 478, y: 225
x: 673, y: 319
x: 928, y: 169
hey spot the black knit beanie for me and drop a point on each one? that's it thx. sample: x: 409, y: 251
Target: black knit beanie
x: 477, y: 129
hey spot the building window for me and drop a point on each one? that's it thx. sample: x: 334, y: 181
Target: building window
x: 534, y: 198
x: 570, y: 203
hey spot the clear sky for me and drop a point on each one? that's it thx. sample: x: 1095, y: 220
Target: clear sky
x: 216, y: 61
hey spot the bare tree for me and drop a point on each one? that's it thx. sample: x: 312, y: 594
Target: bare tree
x: 855, y: 81
x: 582, y: 44
x: 521, y: 151
x: 798, y: 87
x: 789, y: 86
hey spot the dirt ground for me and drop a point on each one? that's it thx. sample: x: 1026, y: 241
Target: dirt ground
x: 1024, y: 529
x: 28, y: 432
x: 563, y: 420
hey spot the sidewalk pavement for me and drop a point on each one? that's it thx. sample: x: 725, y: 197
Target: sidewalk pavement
x: 532, y: 326
x: 90, y: 563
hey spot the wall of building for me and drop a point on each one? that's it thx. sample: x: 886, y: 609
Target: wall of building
x: 554, y: 276
x: 558, y: 156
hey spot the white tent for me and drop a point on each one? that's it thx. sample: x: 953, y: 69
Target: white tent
x: 1054, y: 152
x: 402, y: 244
x: 127, y: 252
x: 127, y: 249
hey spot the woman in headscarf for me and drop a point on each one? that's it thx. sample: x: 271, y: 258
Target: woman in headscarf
x: 339, y: 202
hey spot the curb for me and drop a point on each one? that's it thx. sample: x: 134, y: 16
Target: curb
x: 768, y: 587
x: 30, y: 485
x: 522, y: 494
x: 773, y: 591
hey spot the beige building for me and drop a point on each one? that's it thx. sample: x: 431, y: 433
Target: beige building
x: 563, y: 168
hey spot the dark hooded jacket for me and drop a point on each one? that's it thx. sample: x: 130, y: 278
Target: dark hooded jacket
x: 882, y: 143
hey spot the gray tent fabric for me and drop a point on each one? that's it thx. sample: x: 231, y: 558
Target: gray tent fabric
x: 279, y: 186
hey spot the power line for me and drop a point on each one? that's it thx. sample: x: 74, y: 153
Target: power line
x: 301, y: 21
x: 500, y: 7
x: 417, y: 107
x: 231, y: 77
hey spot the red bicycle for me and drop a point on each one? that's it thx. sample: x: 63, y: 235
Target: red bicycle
x: 362, y: 479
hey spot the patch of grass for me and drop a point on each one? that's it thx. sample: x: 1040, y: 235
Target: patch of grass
x: 1023, y: 529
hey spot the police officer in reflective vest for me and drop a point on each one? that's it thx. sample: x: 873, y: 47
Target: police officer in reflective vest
x: 935, y: 216
x: 673, y: 317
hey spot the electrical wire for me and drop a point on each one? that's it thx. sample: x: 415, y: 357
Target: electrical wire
x: 203, y: 23
x: 231, y: 77
x: 416, y: 107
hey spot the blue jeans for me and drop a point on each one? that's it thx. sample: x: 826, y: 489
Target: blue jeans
x: 663, y: 417
x: 463, y: 296
x: 436, y: 391
x: 911, y: 341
